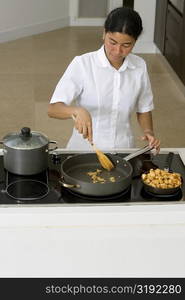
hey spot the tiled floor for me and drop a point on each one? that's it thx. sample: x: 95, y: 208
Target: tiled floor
x: 31, y: 67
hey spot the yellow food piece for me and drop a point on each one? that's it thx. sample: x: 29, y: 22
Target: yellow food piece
x: 96, y: 178
x: 162, y: 179
x: 112, y: 179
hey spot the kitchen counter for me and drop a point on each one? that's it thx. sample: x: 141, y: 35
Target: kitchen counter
x: 73, y: 240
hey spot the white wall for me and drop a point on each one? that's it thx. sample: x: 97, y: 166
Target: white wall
x: 76, y: 21
x: 146, y: 9
x: 114, y: 3
x: 20, y: 18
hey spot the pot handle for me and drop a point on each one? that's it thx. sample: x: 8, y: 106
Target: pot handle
x: 67, y: 185
x: 52, y: 142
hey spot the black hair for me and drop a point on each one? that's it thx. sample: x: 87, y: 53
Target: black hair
x: 124, y: 20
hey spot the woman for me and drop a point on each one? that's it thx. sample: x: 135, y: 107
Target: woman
x: 107, y: 86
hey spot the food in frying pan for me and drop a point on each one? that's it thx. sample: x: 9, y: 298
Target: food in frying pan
x: 162, y: 179
x: 96, y: 178
x: 112, y: 179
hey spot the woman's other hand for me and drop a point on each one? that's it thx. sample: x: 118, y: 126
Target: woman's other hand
x: 83, y: 123
x: 152, y: 141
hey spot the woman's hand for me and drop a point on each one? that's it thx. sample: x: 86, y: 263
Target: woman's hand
x: 152, y: 141
x: 83, y: 123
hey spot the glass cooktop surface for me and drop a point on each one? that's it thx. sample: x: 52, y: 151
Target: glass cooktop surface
x: 45, y: 188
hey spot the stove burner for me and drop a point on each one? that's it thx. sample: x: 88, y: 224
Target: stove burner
x: 27, y: 190
x: 86, y: 198
x: 175, y: 196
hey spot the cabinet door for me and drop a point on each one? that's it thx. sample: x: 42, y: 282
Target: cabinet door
x: 160, y: 24
x: 173, y: 42
x: 183, y: 48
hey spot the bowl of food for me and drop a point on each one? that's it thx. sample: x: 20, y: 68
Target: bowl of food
x: 161, y: 182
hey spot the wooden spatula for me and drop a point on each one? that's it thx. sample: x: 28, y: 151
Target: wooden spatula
x: 103, y: 159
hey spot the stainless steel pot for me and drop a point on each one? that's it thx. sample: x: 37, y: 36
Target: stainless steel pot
x: 26, y: 152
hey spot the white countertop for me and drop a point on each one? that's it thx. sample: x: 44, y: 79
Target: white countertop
x: 93, y: 240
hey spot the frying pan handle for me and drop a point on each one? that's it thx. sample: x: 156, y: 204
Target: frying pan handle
x: 138, y: 152
x: 67, y: 185
x: 168, y: 162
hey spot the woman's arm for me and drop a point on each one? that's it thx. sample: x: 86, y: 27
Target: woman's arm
x: 83, y: 121
x: 146, y: 123
x: 60, y: 110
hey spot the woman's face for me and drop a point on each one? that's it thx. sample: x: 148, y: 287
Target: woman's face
x: 117, y: 47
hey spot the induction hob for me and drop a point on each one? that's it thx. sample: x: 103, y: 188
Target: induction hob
x: 49, y: 191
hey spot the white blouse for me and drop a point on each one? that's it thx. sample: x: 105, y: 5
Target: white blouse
x: 108, y: 94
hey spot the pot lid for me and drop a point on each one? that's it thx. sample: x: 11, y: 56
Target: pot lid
x: 25, y: 139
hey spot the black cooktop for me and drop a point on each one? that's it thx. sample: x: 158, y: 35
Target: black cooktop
x: 44, y: 188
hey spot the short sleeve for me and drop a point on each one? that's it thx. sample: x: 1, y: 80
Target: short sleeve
x: 69, y: 86
x: 145, y: 99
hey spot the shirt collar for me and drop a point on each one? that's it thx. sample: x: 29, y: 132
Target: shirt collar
x: 104, y: 62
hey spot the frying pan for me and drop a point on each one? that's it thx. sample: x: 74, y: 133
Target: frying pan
x: 74, y: 173
x: 159, y: 191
